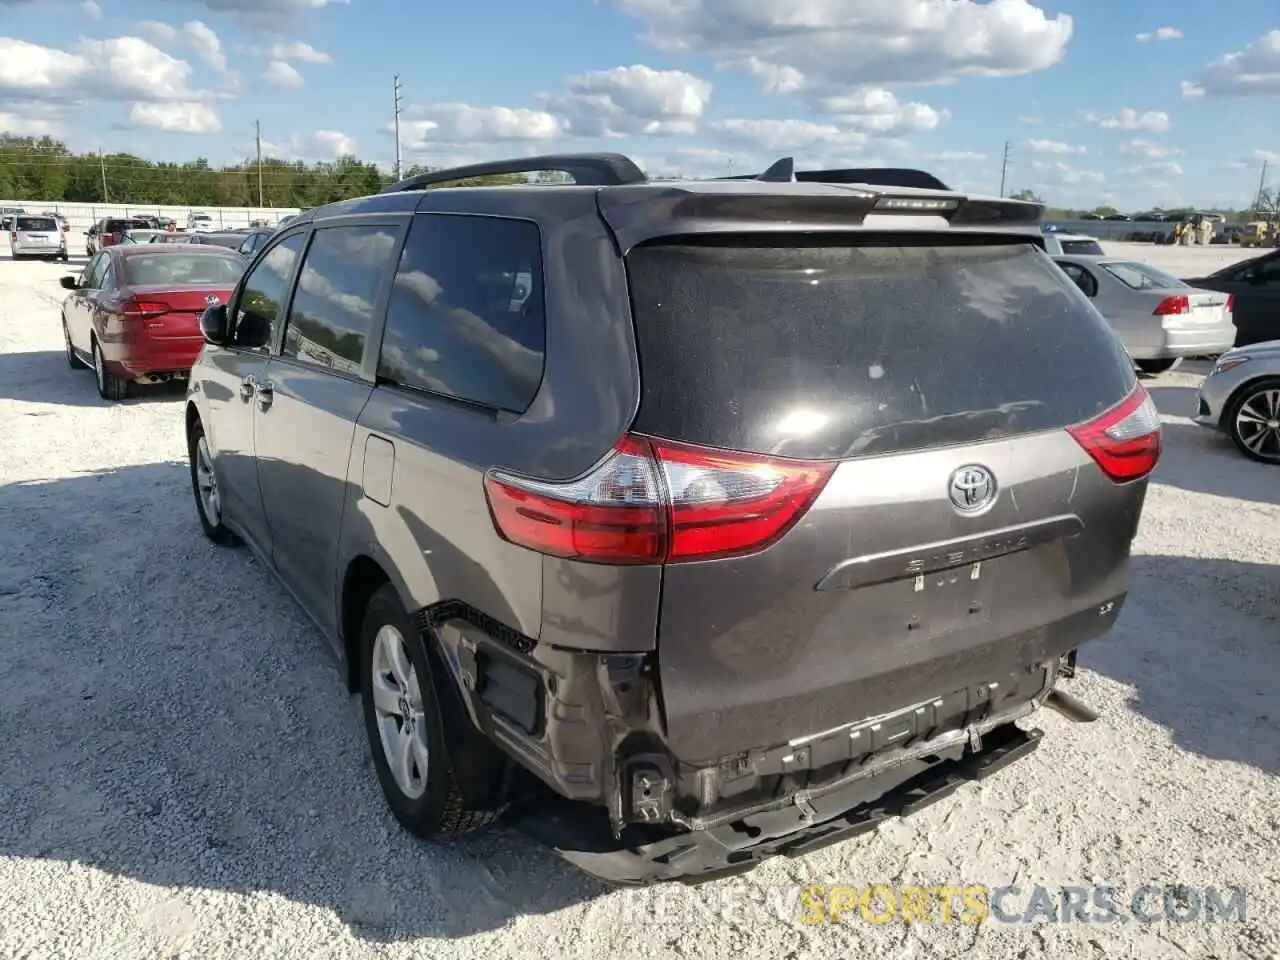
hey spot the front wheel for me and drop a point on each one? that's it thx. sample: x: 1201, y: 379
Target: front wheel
x: 405, y: 728
x: 1157, y: 366
x: 1253, y: 420
x: 204, y: 485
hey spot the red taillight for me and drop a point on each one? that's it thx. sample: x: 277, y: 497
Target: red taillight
x: 654, y: 501
x: 141, y: 309
x: 108, y: 239
x: 1173, y: 306
x: 1124, y: 441
x: 1231, y: 303
x: 13, y: 237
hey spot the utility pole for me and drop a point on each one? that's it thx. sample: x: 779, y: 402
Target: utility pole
x: 1004, y: 168
x: 102, y: 165
x: 1262, y: 185
x: 396, y: 89
x: 257, y: 136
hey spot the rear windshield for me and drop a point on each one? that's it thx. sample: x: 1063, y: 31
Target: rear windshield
x: 1083, y: 247
x: 114, y: 226
x: 1141, y: 276
x: 37, y: 223
x: 839, y: 351
x: 181, y: 268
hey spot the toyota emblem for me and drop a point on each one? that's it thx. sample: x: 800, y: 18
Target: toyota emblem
x: 972, y: 489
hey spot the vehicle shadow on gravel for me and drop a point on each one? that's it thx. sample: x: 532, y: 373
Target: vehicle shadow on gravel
x: 198, y: 734
x: 1201, y: 460
x: 1214, y: 690
x: 43, y: 376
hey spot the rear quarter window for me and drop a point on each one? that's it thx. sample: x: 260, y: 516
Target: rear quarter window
x: 1091, y: 248
x: 824, y: 351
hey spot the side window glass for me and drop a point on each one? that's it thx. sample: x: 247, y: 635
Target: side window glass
x: 108, y: 281
x: 466, y: 316
x: 1269, y: 272
x: 86, y: 277
x: 332, y: 310
x: 262, y: 295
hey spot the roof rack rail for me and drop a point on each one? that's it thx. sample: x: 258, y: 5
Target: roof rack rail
x: 872, y: 176
x: 593, y: 169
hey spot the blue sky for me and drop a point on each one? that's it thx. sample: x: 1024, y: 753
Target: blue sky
x: 1132, y: 104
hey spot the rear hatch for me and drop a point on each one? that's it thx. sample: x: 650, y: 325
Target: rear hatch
x: 37, y: 232
x: 876, y: 502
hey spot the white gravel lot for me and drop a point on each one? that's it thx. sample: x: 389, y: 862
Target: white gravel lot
x: 181, y: 774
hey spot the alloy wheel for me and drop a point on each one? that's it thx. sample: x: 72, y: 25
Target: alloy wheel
x: 1258, y: 423
x: 207, y: 484
x: 398, y: 706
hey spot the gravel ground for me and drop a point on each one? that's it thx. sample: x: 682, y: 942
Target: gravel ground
x: 182, y: 775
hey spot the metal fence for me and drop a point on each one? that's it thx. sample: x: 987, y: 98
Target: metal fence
x: 81, y: 216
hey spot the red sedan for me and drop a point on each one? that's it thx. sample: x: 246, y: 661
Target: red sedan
x: 134, y: 313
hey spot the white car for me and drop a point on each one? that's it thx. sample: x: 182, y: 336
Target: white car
x: 1159, y: 318
x: 200, y: 223
x: 37, y: 235
x: 1056, y: 244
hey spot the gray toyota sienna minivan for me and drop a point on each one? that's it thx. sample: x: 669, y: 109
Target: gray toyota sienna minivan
x: 740, y: 514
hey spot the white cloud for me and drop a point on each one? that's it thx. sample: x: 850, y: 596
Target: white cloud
x: 1145, y: 148
x: 1163, y: 33
x: 1054, y: 146
x: 1162, y: 168
x: 31, y: 120
x: 959, y: 156
x: 281, y: 74
x: 191, y: 117
x: 631, y: 100
x: 781, y: 136
x: 829, y: 46
x: 301, y: 52
x: 206, y: 44
x: 460, y: 123
x: 1057, y: 173
x: 91, y: 9
x: 1031, y: 120
x: 1153, y: 121
x: 338, y: 143
x: 1251, y: 72
x: 1257, y: 159
x: 268, y: 14
x: 877, y: 111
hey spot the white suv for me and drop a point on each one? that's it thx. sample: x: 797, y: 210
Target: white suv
x: 200, y: 223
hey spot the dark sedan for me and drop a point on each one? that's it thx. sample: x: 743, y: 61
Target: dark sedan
x: 1255, y: 285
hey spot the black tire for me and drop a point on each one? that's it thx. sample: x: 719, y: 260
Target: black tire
x: 110, y: 387
x: 73, y: 358
x: 1251, y: 393
x: 213, y: 527
x: 1157, y: 366
x: 440, y: 810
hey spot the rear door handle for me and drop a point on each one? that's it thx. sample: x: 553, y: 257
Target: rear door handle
x: 247, y: 387
x: 266, y: 394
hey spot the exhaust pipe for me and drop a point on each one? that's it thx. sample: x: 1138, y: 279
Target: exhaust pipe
x: 1074, y: 710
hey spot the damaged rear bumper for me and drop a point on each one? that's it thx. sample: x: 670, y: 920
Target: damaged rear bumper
x: 728, y: 848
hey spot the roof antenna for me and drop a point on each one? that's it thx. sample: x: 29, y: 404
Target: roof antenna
x: 784, y: 171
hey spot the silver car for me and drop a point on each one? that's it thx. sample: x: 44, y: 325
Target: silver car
x: 33, y: 235
x: 1241, y: 397
x: 1159, y: 318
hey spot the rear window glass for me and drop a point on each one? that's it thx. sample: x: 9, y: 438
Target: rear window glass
x: 115, y: 225
x: 1083, y: 247
x: 1141, y: 276
x: 37, y: 223
x: 181, y: 268
x: 839, y: 351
